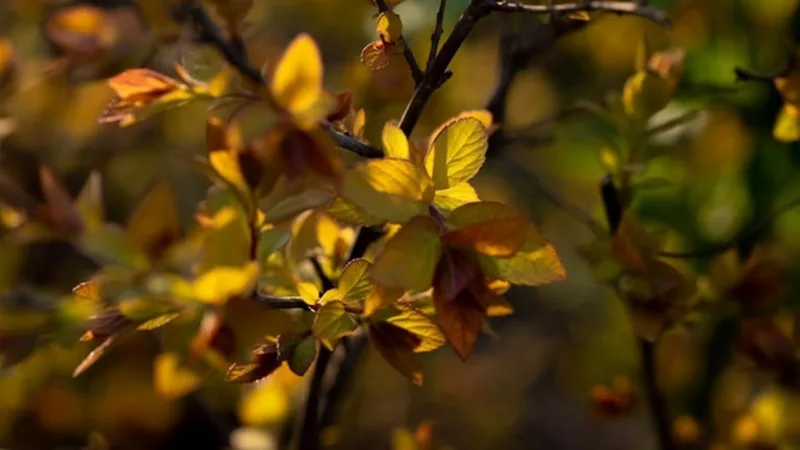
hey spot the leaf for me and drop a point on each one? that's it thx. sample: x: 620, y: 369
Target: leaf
x: 154, y: 225
x: 157, y: 322
x: 484, y: 116
x: 346, y: 212
x: 460, y: 318
x: 89, y: 203
x: 408, y: 259
x: 381, y: 297
x: 218, y: 285
x: 170, y: 380
x: 297, y: 81
x: 392, y: 189
x: 787, y: 125
x: 451, y: 198
x: 491, y: 228
x: 226, y: 240
x: 375, y: 56
x: 354, y: 284
x: 332, y: 322
x: 534, y: 264
x: 226, y: 165
x: 396, y: 346
x: 94, y: 355
x: 395, y: 143
x: 389, y: 27
x: 631, y: 246
x: 299, y: 353
x: 644, y: 94
x: 81, y: 29
x: 59, y: 211
x: 457, y: 153
x: 142, y: 85
x: 264, y: 361
x: 290, y: 198
x: 419, y: 325
x: 88, y: 290
x: 270, y: 241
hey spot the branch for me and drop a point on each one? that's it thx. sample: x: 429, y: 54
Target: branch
x: 309, y: 431
x: 746, y: 75
x: 438, y: 29
x: 646, y: 12
x: 658, y: 404
x: 434, y: 74
x: 416, y: 72
x: 283, y: 302
x: 235, y: 54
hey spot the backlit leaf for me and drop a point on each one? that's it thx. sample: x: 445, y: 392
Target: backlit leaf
x: 381, y: 297
x: 453, y: 197
x: 461, y: 319
x: 787, y: 125
x: 457, y: 153
x: 346, y: 212
x: 219, y: 284
x: 491, y: 228
x: 354, y: 284
x: 226, y: 165
x: 408, y: 260
x: 420, y: 325
x: 332, y: 322
x: 88, y: 290
x: 297, y: 81
x: 157, y: 322
x: 397, y: 345
x: 290, y: 198
x: 392, y: 189
x: 535, y: 263
x: 389, y: 27
x: 395, y: 143
x: 170, y: 380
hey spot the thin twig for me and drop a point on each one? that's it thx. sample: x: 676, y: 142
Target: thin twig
x: 416, y: 72
x: 652, y: 14
x: 309, y: 431
x: 236, y: 56
x: 438, y: 29
x: 283, y: 302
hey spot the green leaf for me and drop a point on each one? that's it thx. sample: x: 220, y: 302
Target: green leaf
x: 332, y: 322
x: 270, y: 241
x: 408, y: 259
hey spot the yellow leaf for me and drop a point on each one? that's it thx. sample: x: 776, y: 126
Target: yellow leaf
x: 88, y: 290
x: 218, y: 285
x: 381, y: 297
x: 346, y: 212
x: 267, y: 404
x: 157, y: 322
x: 420, y: 325
x: 787, y: 126
x: 491, y: 228
x: 644, y: 94
x: 155, y: 224
x: 409, y: 258
x: 389, y: 27
x: 498, y: 306
x: 226, y: 164
x: 392, y: 189
x: 453, y: 197
x: 82, y: 29
x: 482, y: 115
x: 359, y: 122
x: 308, y: 292
x: 332, y: 322
x: 170, y: 380
x: 354, y: 284
x: 395, y: 143
x: 789, y: 87
x: 457, y: 153
x: 535, y: 263
x: 226, y: 241
x: 297, y: 81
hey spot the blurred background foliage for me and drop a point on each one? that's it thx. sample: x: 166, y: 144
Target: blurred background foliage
x: 532, y: 386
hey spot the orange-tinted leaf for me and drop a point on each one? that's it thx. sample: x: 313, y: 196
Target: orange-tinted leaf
x: 396, y: 345
x: 491, y: 228
x: 81, y: 29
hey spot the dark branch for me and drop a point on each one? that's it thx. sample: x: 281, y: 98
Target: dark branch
x: 746, y: 75
x: 283, y: 302
x: 438, y: 29
x: 309, y: 431
x: 327, y: 283
x: 648, y: 13
x: 658, y: 403
x: 236, y: 55
x: 344, y: 378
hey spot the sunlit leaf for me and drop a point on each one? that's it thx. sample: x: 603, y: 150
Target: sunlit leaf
x: 82, y: 29
x: 389, y: 27
x: 381, y: 297
x: 453, y: 197
x: 344, y: 211
x: 457, y: 153
x: 535, y: 263
x: 787, y: 125
x: 218, y: 285
x: 392, y: 189
x: 395, y: 143
x: 333, y: 322
x: 157, y: 322
x: 297, y: 81
x: 354, y: 284
x: 170, y: 380
x: 420, y: 325
x: 409, y: 258
x: 491, y: 228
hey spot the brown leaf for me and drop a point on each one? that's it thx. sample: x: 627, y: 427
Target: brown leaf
x: 344, y: 103
x: 457, y: 292
x: 397, y: 345
x: 59, y: 210
x: 214, y: 334
x: 264, y: 361
x: 628, y: 246
x: 761, y: 283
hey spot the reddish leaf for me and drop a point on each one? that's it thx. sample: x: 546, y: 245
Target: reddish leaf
x: 397, y: 345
